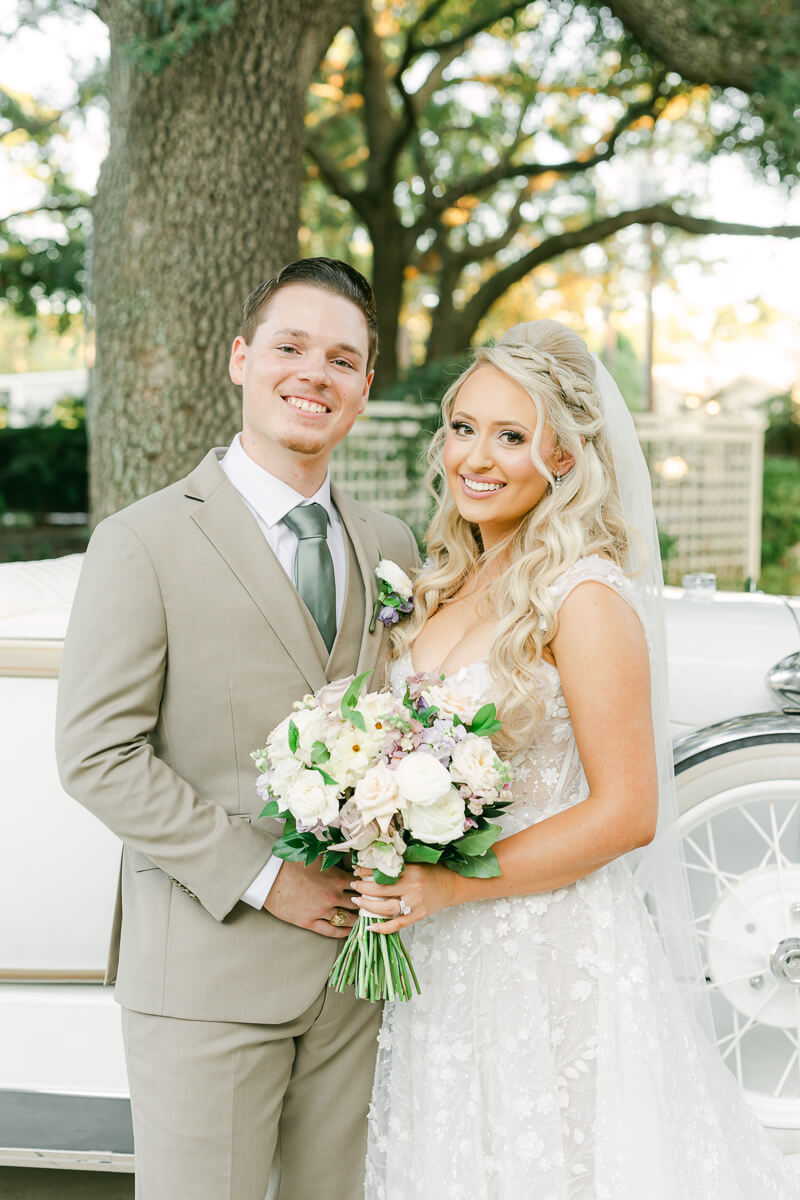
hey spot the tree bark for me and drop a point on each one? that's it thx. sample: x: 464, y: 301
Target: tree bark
x: 718, y: 42
x: 197, y: 203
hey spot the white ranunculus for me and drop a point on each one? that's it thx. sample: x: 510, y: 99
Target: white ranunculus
x: 385, y: 855
x: 474, y: 762
x: 377, y: 795
x: 421, y: 779
x: 396, y: 578
x: 442, y: 821
x: 312, y: 801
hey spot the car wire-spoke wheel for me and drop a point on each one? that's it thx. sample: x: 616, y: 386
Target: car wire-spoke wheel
x: 739, y: 826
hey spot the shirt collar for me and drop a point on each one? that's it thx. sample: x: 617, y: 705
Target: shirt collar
x: 270, y: 498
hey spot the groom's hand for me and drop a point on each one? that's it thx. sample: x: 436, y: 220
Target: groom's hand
x: 310, y: 897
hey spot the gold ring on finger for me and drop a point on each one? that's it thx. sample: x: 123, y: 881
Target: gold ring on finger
x: 339, y: 917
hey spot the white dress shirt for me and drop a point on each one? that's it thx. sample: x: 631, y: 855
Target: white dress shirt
x: 270, y: 499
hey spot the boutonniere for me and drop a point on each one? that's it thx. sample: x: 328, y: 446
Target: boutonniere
x: 395, y: 594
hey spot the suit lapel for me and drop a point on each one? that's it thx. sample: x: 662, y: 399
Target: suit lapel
x: 367, y: 551
x: 233, y: 531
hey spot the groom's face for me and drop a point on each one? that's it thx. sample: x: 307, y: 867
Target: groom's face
x: 304, y: 376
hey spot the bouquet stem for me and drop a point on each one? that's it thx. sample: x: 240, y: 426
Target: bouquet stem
x: 377, y: 965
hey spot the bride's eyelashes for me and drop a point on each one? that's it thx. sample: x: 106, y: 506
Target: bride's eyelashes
x: 510, y: 437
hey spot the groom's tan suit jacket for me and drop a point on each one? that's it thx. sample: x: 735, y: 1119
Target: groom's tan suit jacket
x: 187, y: 644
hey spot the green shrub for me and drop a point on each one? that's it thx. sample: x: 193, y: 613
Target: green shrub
x: 43, y: 466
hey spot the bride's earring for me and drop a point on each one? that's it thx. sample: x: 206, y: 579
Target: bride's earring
x: 557, y: 480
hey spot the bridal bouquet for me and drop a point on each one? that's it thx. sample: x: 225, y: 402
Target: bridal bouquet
x: 374, y: 780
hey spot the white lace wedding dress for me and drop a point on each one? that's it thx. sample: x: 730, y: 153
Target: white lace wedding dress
x: 549, y: 1056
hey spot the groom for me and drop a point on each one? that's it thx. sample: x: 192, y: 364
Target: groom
x: 202, y: 612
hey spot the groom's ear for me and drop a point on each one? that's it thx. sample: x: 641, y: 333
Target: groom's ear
x: 365, y: 393
x: 237, y: 358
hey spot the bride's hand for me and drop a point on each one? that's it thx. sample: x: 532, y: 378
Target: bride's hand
x: 424, y: 889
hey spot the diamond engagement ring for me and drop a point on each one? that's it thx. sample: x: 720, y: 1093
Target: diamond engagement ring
x: 339, y: 917
x: 405, y: 909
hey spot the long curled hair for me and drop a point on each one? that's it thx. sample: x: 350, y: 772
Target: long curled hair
x: 582, y: 515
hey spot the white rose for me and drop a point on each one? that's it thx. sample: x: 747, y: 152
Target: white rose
x: 474, y: 763
x: 452, y: 700
x: 311, y: 801
x: 377, y: 795
x: 396, y: 578
x: 442, y: 821
x: 421, y: 779
x: 385, y: 855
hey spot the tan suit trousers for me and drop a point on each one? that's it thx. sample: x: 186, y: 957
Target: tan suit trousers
x: 214, y: 1102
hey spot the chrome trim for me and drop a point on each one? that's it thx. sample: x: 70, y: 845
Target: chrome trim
x: 755, y: 729
x: 783, y: 680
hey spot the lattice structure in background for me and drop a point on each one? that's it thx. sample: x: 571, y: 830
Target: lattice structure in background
x: 707, y: 474
x: 382, y: 460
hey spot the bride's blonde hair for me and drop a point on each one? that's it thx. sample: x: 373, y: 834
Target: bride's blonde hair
x: 580, y: 515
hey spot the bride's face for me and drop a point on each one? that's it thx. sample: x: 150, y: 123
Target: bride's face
x: 487, y: 453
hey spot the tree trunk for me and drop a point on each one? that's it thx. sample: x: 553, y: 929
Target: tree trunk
x: 197, y: 203
x: 388, y: 277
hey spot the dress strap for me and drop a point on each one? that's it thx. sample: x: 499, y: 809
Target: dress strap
x: 596, y: 569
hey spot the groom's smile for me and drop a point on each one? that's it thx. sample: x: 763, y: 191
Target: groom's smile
x: 304, y: 381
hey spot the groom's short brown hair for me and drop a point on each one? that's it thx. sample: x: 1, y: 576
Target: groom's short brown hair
x: 330, y: 274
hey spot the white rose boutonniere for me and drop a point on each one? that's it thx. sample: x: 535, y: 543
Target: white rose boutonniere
x: 395, y: 594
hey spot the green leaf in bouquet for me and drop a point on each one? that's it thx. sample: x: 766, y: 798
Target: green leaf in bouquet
x: 319, y: 753
x: 332, y: 858
x: 485, y: 721
x: 381, y: 877
x: 420, y: 853
x: 313, y: 851
x: 290, y: 825
x: 327, y: 778
x: 428, y: 715
x: 350, y: 699
x: 477, y: 841
x: 271, y: 809
x: 484, y: 867
x: 289, y: 851
x: 294, y: 736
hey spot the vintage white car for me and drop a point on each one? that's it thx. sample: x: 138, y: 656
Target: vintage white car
x: 735, y: 711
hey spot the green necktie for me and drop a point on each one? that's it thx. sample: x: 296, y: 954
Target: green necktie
x: 313, y: 566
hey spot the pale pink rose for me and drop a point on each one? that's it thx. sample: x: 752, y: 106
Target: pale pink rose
x: 331, y: 695
x: 358, y: 832
x: 384, y: 855
x: 474, y: 762
x: 452, y: 700
x: 377, y: 795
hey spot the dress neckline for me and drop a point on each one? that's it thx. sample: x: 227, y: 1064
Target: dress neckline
x: 408, y: 657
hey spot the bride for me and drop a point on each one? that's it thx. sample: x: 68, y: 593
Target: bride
x: 551, y: 1054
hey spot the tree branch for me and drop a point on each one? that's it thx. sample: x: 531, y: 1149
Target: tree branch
x: 656, y: 214
x: 65, y: 206
x: 414, y: 49
x: 334, y: 178
x: 507, y: 170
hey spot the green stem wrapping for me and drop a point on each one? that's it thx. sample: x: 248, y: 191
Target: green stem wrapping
x: 377, y: 965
